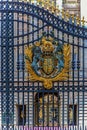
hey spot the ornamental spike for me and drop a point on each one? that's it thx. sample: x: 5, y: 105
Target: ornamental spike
x: 83, y: 21
x: 63, y: 13
x: 78, y: 20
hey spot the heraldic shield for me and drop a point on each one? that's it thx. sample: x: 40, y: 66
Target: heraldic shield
x: 48, y: 61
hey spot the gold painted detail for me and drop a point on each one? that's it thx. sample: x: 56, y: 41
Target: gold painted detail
x: 53, y: 8
x: 47, y: 63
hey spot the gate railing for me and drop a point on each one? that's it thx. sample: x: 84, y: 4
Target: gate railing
x: 16, y: 93
x: 49, y: 128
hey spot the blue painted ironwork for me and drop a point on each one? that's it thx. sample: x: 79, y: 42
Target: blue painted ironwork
x: 22, y: 24
x: 7, y: 69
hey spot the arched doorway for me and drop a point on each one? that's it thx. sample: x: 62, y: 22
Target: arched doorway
x: 47, y: 109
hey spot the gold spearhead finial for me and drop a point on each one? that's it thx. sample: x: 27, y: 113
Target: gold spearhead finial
x: 53, y: 7
x: 83, y: 21
x: 67, y: 15
x: 43, y: 3
x: 63, y: 13
x: 38, y: 2
x: 78, y: 20
x: 57, y: 10
x: 47, y: 4
x: 73, y: 17
x: 32, y: 1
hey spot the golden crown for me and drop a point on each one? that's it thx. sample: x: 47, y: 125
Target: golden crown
x: 47, y: 45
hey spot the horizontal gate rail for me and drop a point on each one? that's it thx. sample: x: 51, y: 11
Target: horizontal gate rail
x: 55, y: 21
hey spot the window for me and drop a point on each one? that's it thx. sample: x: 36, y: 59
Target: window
x: 72, y: 114
x: 21, y: 114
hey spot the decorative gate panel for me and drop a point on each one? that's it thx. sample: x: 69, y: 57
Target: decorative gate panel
x: 43, y: 79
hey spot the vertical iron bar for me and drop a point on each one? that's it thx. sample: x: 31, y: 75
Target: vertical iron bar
x: 28, y: 73
x: 23, y: 68
x: 78, y: 49
x: 33, y: 83
x: 83, y: 84
x: 38, y: 93
x: 43, y: 91
x: 63, y: 92
x: 18, y: 67
x: 68, y: 91
x: 73, y: 74
x: 58, y: 93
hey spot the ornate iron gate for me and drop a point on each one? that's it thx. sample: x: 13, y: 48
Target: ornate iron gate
x: 55, y: 103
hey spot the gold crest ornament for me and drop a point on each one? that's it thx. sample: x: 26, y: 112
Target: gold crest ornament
x: 48, y: 61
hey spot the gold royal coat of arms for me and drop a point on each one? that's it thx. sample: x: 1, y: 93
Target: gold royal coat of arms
x: 48, y: 61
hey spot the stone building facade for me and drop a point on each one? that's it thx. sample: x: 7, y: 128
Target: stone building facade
x: 72, y: 6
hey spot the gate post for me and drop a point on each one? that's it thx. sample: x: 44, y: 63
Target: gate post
x: 7, y: 69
